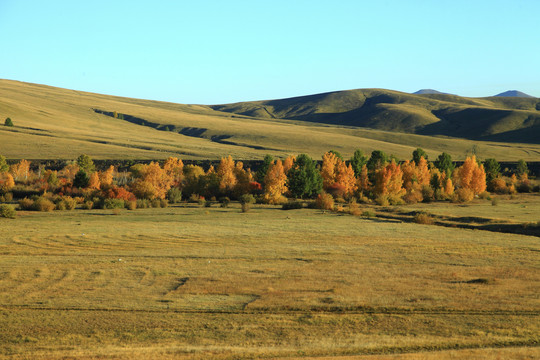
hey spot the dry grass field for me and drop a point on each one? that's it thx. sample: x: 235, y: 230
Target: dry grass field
x: 194, y: 282
x: 54, y: 123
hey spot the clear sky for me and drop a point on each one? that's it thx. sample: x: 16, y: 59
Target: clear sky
x: 212, y: 52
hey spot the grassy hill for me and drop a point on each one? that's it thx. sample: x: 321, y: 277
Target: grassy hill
x: 493, y: 118
x: 54, y: 123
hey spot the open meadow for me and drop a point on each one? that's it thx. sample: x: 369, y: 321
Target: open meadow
x: 210, y: 282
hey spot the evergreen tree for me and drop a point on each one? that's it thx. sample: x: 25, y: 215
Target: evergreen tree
x: 444, y: 164
x: 86, y: 164
x: 261, y: 173
x: 357, y: 162
x: 522, y: 167
x: 417, y: 154
x: 81, y: 179
x: 8, y: 122
x: 493, y: 169
x: 304, y: 180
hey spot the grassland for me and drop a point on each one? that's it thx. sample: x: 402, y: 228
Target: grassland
x: 194, y: 282
x: 53, y: 123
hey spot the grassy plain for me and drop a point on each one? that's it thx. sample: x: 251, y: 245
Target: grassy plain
x: 194, y: 282
x: 54, y: 123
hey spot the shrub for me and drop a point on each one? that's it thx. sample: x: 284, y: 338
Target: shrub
x: 224, y: 202
x: 143, y: 204
x: 174, y: 195
x: 66, y: 203
x: 246, y: 207
x: 8, y: 197
x: 113, y: 204
x: 368, y: 214
x: 247, y: 199
x: 494, y: 201
x: 131, y: 205
x: 354, y: 208
x: 8, y: 122
x: 43, y: 204
x: 155, y: 203
x: 88, y: 205
x: 292, y: 205
x: 325, y: 201
x: 7, y: 211
x: 463, y: 195
x: 498, y: 186
x: 423, y: 218
x: 26, y: 204
x: 427, y: 193
x: 163, y: 203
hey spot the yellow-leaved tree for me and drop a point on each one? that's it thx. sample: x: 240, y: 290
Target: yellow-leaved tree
x: 274, y: 183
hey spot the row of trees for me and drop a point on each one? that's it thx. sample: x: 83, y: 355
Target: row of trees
x: 378, y: 178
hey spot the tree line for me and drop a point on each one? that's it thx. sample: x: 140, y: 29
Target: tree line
x: 377, y: 179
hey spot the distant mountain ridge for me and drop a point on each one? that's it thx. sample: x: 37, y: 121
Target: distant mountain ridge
x: 514, y: 93
x: 509, y: 119
x: 429, y: 92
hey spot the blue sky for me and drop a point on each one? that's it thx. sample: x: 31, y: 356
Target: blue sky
x: 212, y: 52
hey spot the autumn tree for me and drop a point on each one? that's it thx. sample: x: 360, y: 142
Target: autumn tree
x: 151, y: 181
x: 225, y: 172
x: 363, y: 183
x: 388, y: 184
x: 345, y: 178
x: 20, y: 171
x: 275, y: 183
x: 6, y: 182
x: 174, y: 168
x: 106, y: 177
x: 303, y: 179
x: 288, y: 163
x: 328, y: 169
x: 243, y: 179
x: 93, y: 181
x: 471, y: 176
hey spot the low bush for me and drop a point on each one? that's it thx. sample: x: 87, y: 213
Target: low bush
x: 26, y: 204
x: 292, y: 205
x: 7, y: 211
x: 113, y: 204
x: 143, y: 204
x: 463, y: 195
x: 88, y: 205
x: 43, y: 204
x: 247, y: 199
x: 174, y: 195
x: 246, y: 207
x: 423, y: 218
x: 494, y: 201
x: 354, y: 208
x: 131, y: 205
x: 325, y: 201
x: 224, y: 202
x: 368, y: 214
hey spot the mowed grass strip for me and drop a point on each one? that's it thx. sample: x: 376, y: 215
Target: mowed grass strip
x: 198, y: 282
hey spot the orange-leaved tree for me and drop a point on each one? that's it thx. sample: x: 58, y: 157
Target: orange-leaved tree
x: 274, y: 183
x: 225, y: 171
x: 151, y: 181
x: 345, y: 178
x: 388, y: 186
x: 471, y: 176
x: 174, y: 168
x: 6, y: 182
x: 20, y: 171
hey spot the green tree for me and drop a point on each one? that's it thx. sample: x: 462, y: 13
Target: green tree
x: 378, y: 159
x: 304, y: 180
x: 8, y: 122
x: 81, y: 179
x: 4, y: 167
x: 338, y: 155
x: 358, y: 161
x: 86, y: 164
x: 492, y: 168
x: 417, y: 154
x: 261, y: 173
x: 521, y: 167
x: 445, y: 164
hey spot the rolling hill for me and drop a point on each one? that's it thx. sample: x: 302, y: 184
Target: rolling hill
x: 514, y: 93
x: 493, y: 118
x: 55, y: 123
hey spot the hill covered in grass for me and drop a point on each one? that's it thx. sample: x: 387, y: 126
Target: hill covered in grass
x: 55, y: 123
x: 509, y: 119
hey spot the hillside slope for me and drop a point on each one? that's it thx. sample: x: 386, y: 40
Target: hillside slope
x: 55, y: 123
x: 493, y: 118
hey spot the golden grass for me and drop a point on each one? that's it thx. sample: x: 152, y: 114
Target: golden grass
x: 53, y: 123
x: 194, y: 282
